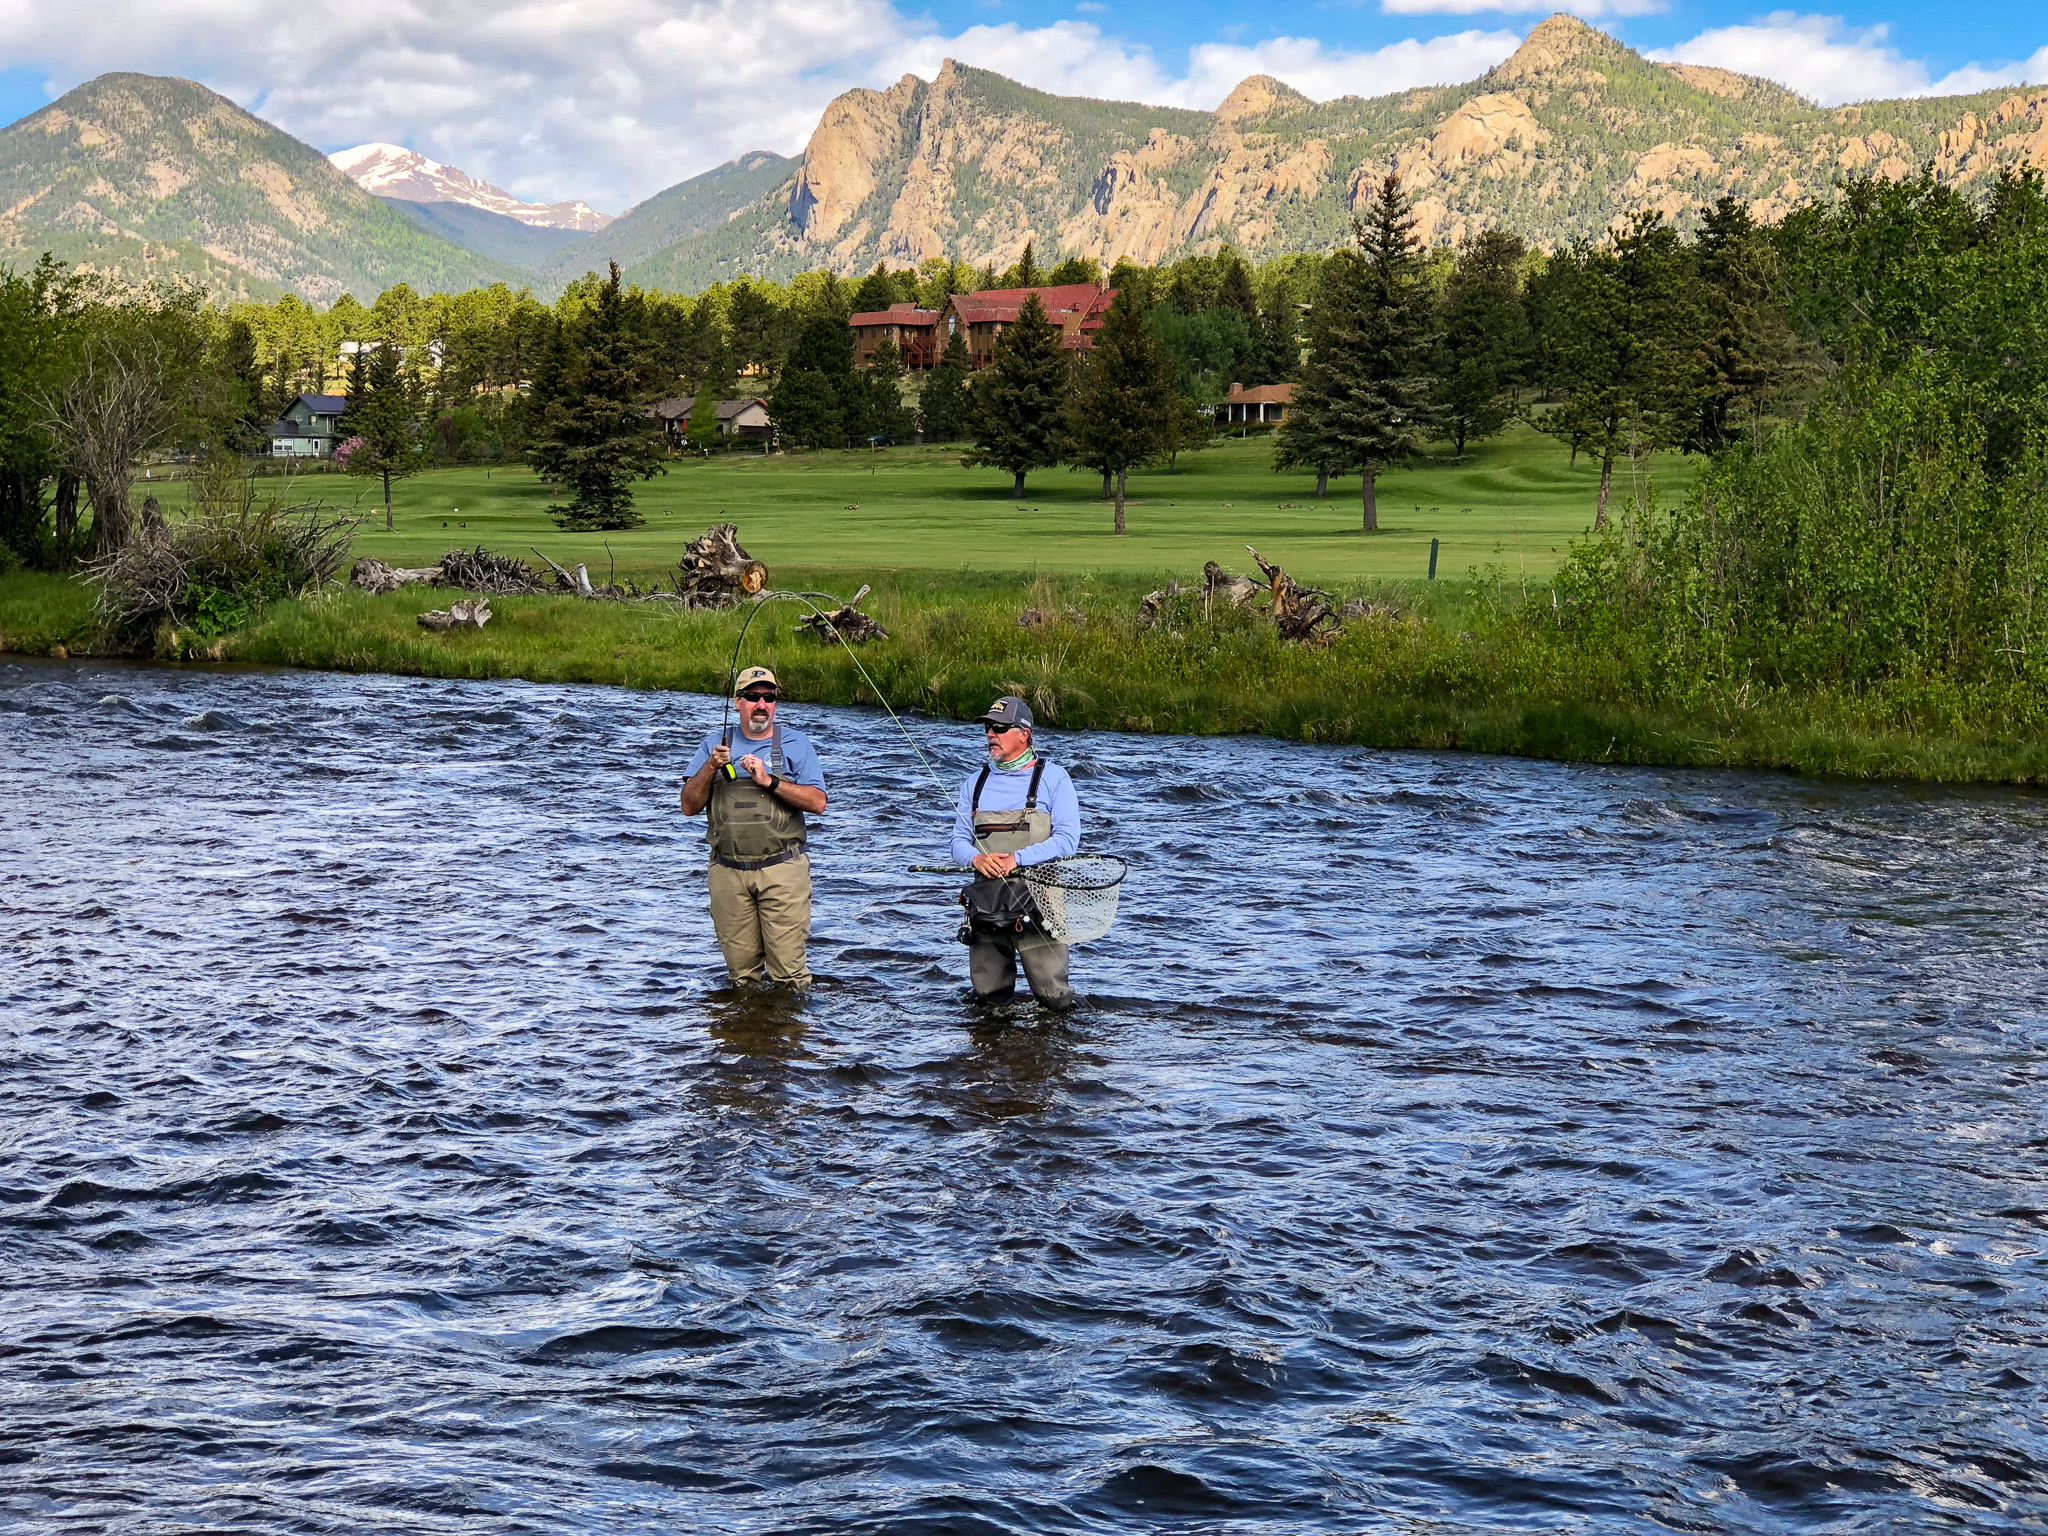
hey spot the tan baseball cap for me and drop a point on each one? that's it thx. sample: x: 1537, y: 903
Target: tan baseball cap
x: 751, y: 677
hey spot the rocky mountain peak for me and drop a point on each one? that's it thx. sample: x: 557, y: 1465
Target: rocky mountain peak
x: 1562, y: 49
x: 1259, y: 96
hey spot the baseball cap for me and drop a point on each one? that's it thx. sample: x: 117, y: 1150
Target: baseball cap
x: 753, y: 677
x: 1007, y: 711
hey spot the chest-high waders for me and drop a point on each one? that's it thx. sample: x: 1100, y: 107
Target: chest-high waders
x: 746, y: 826
x: 1002, y: 928
x: 759, y: 883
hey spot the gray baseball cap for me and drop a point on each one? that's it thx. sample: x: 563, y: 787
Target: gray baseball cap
x: 1007, y: 711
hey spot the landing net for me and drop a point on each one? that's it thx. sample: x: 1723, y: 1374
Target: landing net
x: 1076, y: 897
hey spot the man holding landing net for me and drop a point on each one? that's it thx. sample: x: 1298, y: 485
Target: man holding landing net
x: 760, y: 876
x: 1017, y: 811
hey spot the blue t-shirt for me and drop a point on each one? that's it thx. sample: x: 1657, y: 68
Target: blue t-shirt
x: 1005, y: 791
x: 799, y: 757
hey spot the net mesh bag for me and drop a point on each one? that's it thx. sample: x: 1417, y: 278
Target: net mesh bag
x: 1076, y: 897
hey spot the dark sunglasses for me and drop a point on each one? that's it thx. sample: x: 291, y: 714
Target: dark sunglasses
x: 759, y: 698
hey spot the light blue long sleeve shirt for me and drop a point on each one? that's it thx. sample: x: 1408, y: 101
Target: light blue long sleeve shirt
x: 1005, y: 792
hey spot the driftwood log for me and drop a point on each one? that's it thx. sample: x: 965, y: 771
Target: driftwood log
x: 373, y: 575
x: 846, y: 621
x: 716, y: 573
x: 1300, y: 613
x: 463, y: 613
x: 1152, y: 606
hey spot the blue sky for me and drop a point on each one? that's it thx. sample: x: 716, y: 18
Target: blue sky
x: 612, y: 100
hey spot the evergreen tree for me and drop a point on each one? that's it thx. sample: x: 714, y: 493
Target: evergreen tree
x: 1483, y: 342
x: 381, y: 426
x: 1125, y: 410
x: 1741, y: 347
x: 1380, y: 351
x: 1025, y: 274
x: 704, y: 418
x: 593, y: 433
x: 876, y: 291
x: 818, y: 401
x: 1018, y: 400
x: 1306, y: 439
x: 942, y: 408
x: 1610, y: 349
x: 244, y: 417
x: 1237, y: 291
x: 887, y: 416
x: 1275, y: 356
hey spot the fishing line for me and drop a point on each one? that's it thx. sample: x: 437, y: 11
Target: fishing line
x: 733, y: 670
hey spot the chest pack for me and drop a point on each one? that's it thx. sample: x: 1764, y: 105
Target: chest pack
x: 747, y: 827
x: 1004, y: 905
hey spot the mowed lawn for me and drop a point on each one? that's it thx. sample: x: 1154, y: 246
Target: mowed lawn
x: 1514, y: 503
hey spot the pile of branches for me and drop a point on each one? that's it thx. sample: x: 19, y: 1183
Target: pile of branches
x: 478, y: 570
x: 1302, y: 614
x: 212, y: 571
x: 846, y: 621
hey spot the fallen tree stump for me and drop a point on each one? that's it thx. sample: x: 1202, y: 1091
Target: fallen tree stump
x: 1300, y: 613
x: 463, y: 613
x: 373, y: 575
x: 1217, y: 582
x: 847, y: 621
x: 716, y: 573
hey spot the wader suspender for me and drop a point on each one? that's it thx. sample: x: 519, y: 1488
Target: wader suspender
x: 1030, y: 791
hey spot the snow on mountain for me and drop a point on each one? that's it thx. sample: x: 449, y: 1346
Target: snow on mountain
x: 388, y: 170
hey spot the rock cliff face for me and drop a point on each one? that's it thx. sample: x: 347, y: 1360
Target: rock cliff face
x: 1572, y: 133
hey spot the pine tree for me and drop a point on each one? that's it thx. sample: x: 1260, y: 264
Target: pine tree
x: 1379, y: 359
x: 1610, y: 348
x: 1237, y: 291
x: 1025, y: 274
x: 1483, y: 339
x: 942, y: 408
x: 1017, y: 401
x: 704, y: 418
x: 877, y: 291
x: 1123, y: 411
x: 1306, y: 439
x: 381, y: 426
x: 1275, y: 357
x: 594, y: 434
x: 888, y: 417
x: 818, y: 401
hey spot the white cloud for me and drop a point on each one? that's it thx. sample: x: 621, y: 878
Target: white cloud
x: 612, y: 100
x: 1828, y: 61
x: 1590, y: 10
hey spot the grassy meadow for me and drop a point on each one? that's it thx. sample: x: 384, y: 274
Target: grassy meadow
x: 1514, y: 503
x: 1472, y: 660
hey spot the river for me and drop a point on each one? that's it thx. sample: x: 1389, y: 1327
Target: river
x: 1445, y: 1143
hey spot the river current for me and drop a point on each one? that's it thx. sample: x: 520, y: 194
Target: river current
x: 1444, y: 1143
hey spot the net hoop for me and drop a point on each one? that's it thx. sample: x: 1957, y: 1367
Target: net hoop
x: 1076, y: 897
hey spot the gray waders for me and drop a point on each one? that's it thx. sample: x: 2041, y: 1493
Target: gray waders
x: 760, y: 877
x: 993, y: 958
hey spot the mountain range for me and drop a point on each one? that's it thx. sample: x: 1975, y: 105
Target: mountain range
x: 146, y: 176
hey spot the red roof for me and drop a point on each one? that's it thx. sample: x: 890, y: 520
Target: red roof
x: 1261, y: 394
x: 896, y: 314
x: 1004, y: 304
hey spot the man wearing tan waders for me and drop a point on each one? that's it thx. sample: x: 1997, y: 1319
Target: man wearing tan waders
x: 1015, y: 811
x: 760, y: 876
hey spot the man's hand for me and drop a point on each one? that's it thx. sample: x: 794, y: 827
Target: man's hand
x: 994, y: 865
x: 755, y: 769
x: 720, y: 755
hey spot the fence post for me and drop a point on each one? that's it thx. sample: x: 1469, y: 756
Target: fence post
x: 1432, y: 559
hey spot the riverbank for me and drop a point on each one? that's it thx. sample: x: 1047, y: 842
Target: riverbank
x: 1440, y: 666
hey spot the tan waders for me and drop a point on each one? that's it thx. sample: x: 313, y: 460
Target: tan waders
x: 760, y: 878
x: 993, y: 957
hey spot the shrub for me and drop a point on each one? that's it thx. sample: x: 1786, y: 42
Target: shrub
x: 214, y: 570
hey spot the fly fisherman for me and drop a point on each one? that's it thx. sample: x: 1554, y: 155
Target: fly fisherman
x: 759, y: 876
x: 1018, y: 810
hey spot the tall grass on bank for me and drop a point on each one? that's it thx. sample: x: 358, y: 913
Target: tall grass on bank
x: 1875, y: 553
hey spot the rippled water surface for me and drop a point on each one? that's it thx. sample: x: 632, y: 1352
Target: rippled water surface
x: 1444, y: 1144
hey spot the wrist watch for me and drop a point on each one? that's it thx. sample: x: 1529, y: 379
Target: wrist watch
x: 774, y: 782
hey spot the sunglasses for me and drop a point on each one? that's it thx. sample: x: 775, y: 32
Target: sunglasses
x: 1001, y: 730
x: 758, y: 698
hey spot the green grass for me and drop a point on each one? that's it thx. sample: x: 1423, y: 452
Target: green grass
x: 1515, y: 503
x: 953, y: 562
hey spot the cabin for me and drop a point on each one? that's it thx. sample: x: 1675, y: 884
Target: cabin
x: 1262, y: 402
x: 1075, y: 309
x: 308, y: 427
x: 736, y: 418
x: 915, y: 332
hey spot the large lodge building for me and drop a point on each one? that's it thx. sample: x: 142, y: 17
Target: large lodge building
x: 1075, y: 309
